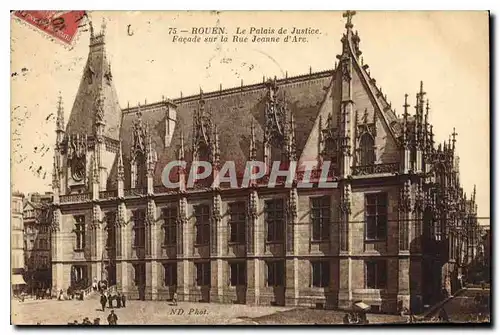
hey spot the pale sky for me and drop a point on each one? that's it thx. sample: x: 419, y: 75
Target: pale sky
x: 447, y: 50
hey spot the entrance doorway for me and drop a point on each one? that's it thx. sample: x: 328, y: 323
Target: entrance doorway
x: 140, y: 279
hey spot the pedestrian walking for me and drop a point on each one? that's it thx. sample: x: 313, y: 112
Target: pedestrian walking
x: 124, y: 301
x: 112, y: 318
x: 174, y: 299
x: 103, y: 302
x: 118, y: 300
x: 97, y: 322
x: 110, y: 301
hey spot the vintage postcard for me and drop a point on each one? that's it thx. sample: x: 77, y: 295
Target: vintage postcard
x: 250, y: 168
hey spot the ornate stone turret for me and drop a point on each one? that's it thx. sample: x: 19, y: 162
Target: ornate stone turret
x: 405, y: 159
x: 276, y: 130
x: 419, y: 143
x: 139, y: 152
x: 59, y: 121
x: 56, y: 169
x: 151, y: 159
x: 95, y: 178
x: 56, y: 182
x: 253, y: 145
x: 120, y: 177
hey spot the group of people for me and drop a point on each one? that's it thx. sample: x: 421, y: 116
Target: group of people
x: 112, y: 321
x: 41, y: 294
x: 121, y: 300
x: 355, y: 318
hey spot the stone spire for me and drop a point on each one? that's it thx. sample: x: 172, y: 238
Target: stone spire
x: 151, y: 154
x: 96, y: 90
x: 60, y: 120
x: 253, y: 146
x: 454, y: 139
x: 405, y: 122
x: 181, y: 154
x: 121, y: 168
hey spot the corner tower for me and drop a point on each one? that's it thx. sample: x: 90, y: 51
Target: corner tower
x: 93, y: 129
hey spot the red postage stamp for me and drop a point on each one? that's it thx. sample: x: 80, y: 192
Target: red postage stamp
x: 60, y: 25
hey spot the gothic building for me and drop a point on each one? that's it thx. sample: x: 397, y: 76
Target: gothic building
x: 395, y: 217
x: 37, y: 219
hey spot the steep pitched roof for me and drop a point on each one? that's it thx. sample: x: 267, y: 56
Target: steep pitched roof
x: 233, y: 112
x: 235, y: 109
x: 96, y: 79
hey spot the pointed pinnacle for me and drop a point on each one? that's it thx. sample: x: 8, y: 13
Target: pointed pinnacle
x: 120, y: 155
x: 103, y: 26
x: 181, y: 149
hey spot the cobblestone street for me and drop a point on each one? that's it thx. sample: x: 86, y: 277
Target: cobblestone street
x: 53, y: 312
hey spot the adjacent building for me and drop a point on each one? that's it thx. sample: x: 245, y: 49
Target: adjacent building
x: 386, y: 232
x: 37, y: 213
x: 16, y: 243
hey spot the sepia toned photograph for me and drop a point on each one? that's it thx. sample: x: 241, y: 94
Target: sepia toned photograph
x: 250, y: 168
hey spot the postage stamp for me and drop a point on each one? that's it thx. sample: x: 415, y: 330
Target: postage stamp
x: 60, y: 25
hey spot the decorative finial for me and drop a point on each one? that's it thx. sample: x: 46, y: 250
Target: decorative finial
x: 349, y: 14
x: 103, y: 27
x: 454, y: 136
x: 91, y: 29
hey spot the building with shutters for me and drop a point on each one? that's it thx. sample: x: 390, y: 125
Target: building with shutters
x: 37, y: 217
x: 16, y: 243
x: 391, y: 222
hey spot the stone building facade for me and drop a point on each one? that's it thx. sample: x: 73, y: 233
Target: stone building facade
x: 374, y: 235
x: 37, y: 214
x: 16, y: 243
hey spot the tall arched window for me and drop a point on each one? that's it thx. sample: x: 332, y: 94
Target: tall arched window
x: 367, y: 154
x: 141, y: 178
